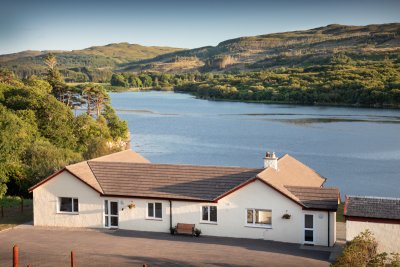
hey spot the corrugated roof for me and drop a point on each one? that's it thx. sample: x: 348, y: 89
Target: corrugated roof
x: 373, y: 207
x: 316, y: 197
x: 186, y: 182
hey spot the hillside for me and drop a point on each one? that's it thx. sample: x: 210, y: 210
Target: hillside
x: 288, y: 49
x: 93, y: 63
x: 255, y: 53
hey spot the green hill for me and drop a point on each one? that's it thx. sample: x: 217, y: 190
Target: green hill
x: 287, y: 49
x: 255, y: 53
x: 91, y: 64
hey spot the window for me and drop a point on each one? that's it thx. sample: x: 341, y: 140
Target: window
x: 209, y: 214
x: 154, y: 210
x: 256, y: 217
x: 68, y: 204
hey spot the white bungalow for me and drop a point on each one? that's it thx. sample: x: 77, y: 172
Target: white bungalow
x: 284, y: 201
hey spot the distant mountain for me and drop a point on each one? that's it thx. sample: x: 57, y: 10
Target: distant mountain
x: 89, y: 60
x: 287, y: 49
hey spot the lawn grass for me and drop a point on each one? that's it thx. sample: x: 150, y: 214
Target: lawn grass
x: 13, y: 216
x: 339, y: 213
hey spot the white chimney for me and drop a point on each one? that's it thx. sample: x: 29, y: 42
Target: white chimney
x: 271, y: 160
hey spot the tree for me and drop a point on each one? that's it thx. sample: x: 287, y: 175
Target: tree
x: 6, y: 76
x: 43, y: 158
x: 15, y: 136
x: 59, y: 89
x: 96, y: 96
x: 118, y: 80
x: 146, y: 80
x: 50, y: 61
x: 118, y: 128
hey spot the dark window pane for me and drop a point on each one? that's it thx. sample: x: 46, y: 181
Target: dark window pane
x: 204, y: 215
x: 213, y: 213
x: 249, y: 216
x: 106, y: 221
x: 309, y: 221
x: 76, y: 206
x: 150, y: 209
x: 309, y: 235
x: 158, y: 210
x: 114, y: 208
x: 263, y: 216
x: 65, y: 204
x: 106, y: 206
x: 114, y: 221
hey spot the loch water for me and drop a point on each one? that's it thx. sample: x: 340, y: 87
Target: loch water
x: 356, y: 149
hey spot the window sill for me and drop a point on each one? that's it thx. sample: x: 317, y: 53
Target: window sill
x: 67, y: 213
x: 154, y: 219
x: 259, y: 226
x: 205, y: 222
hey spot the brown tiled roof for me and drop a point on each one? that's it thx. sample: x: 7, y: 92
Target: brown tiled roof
x: 291, y: 172
x: 316, y: 197
x: 128, y: 174
x: 373, y: 207
x: 169, y: 181
x: 82, y: 171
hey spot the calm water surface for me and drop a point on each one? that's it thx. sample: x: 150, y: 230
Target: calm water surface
x: 358, y: 150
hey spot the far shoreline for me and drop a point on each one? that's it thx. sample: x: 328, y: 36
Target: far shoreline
x: 265, y: 102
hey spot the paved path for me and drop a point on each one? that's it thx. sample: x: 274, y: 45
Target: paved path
x: 341, y: 232
x: 51, y: 247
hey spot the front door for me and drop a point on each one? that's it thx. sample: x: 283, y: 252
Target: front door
x: 110, y: 214
x: 308, y: 229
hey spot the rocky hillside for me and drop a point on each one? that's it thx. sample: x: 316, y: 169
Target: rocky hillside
x: 288, y: 49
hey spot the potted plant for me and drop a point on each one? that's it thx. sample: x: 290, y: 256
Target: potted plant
x: 131, y: 206
x: 172, y: 230
x: 286, y: 216
x: 197, y: 232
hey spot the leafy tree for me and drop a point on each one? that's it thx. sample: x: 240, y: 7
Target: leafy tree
x: 59, y: 89
x: 96, y: 97
x: 44, y: 158
x: 118, y: 80
x: 146, y: 80
x: 39, y: 134
x: 15, y: 136
x: 118, y: 129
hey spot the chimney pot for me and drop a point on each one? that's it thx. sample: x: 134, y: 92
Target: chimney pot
x: 271, y: 160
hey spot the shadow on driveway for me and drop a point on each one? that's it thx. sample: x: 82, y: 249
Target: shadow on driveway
x: 249, y: 244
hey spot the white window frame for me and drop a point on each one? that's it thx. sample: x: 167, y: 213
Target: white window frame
x: 109, y: 213
x: 73, y: 212
x: 209, y: 217
x: 154, y: 211
x: 254, y: 224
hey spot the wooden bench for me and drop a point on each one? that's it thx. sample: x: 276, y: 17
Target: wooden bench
x: 184, y: 228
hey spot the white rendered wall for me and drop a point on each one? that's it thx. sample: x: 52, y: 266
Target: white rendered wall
x: 232, y: 216
x: 231, y: 212
x: 45, y: 199
x: 387, y: 235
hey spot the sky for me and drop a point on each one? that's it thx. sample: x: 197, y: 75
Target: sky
x: 73, y: 24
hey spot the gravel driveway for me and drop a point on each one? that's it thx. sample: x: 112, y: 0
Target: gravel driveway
x: 51, y: 247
